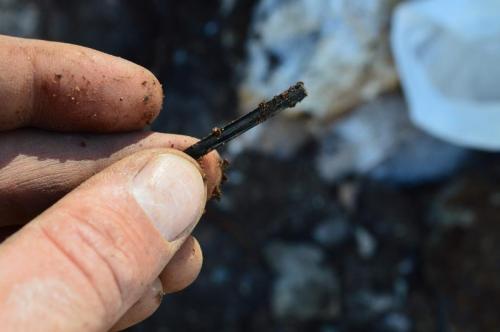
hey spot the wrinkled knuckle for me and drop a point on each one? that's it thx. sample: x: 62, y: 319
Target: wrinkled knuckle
x: 99, y: 252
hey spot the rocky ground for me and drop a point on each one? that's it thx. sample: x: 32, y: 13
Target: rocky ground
x: 361, y: 224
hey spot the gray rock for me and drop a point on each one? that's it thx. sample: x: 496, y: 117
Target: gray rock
x: 220, y: 275
x: 332, y: 232
x: 396, y: 322
x: 19, y: 18
x: 367, y: 244
x: 445, y: 214
x: 450, y: 67
x: 226, y: 6
x: 305, y: 287
x: 421, y: 158
x: 366, y: 305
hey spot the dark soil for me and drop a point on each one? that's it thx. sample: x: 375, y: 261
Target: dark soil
x: 438, y: 278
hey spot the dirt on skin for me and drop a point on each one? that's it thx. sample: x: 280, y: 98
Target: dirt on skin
x: 217, y: 193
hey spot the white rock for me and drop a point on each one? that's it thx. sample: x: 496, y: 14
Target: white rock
x: 448, y: 56
x: 337, y: 47
x: 305, y: 288
x: 367, y: 244
x: 332, y: 232
x: 364, y: 138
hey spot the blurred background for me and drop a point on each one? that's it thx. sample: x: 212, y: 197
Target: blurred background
x: 360, y: 210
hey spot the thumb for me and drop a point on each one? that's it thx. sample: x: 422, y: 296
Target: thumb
x: 81, y: 264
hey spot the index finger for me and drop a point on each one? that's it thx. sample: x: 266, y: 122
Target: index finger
x: 66, y: 87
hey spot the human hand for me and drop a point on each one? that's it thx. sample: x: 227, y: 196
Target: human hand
x: 118, y: 237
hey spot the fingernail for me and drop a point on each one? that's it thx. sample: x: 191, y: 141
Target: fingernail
x: 171, y: 192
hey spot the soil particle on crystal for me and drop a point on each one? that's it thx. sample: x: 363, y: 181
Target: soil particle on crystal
x: 217, y: 131
x: 224, y: 164
x: 217, y: 193
x: 223, y: 178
